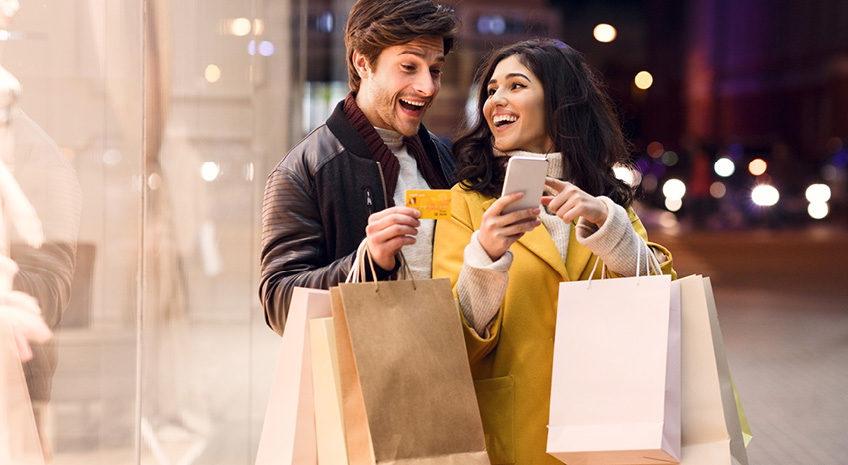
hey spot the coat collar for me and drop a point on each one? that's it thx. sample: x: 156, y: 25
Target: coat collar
x: 539, y: 242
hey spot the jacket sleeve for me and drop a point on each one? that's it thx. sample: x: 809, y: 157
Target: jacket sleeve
x: 293, y: 250
x: 452, y: 235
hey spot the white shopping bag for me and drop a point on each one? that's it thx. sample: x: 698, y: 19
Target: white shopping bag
x: 288, y: 433
x: 615, y: 394
x: 711, y: 430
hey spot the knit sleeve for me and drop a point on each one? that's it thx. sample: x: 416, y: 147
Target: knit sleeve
x: 481, y: 285
x: 616, y: 242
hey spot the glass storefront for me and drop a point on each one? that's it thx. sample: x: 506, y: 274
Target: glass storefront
x: 141, y: 133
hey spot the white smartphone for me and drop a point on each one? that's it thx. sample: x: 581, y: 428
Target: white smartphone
x: 525, y: 174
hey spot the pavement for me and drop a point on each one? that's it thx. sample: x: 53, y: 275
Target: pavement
x: 782, y: 299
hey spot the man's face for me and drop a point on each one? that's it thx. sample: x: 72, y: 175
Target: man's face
x: 395, y: 93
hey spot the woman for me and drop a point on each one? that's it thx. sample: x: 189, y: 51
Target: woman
x: 537, y: 98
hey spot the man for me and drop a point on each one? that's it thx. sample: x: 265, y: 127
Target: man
x: 345, y: 182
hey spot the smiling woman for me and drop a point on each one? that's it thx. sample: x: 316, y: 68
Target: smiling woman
x: 537, y: 99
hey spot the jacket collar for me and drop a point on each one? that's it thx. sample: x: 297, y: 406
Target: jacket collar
x: 341, y: 127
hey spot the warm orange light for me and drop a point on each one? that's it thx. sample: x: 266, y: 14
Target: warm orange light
x: 643, y: 80
x: 604, y: 33
x: 655, y: 149
x: 757, y: 167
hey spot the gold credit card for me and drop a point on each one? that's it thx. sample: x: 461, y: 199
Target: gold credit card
x: 433, y: 204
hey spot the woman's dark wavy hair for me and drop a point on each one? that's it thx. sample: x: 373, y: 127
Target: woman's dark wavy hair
x: 581, y: 122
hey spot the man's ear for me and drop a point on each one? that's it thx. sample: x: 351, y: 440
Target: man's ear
x: 361, y: 65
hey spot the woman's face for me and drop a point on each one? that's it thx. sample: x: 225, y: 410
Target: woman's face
x: 515, y: 109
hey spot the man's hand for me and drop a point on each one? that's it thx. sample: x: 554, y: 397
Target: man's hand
x: 571, y: 202
x: 389, y: 230
x: 498, y: 231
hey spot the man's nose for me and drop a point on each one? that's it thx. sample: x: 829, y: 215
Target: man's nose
x: 426, y: 84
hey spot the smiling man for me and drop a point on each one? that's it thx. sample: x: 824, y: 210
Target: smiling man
x: 345, y: 182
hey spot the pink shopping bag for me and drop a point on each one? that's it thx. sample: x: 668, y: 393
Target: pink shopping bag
x: 288, y: 433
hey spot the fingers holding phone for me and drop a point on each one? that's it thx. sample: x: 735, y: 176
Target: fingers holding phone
x: 500, y: 229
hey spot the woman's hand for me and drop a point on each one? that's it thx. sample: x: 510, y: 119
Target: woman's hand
x: 571, y: 202
x: 499, y: 231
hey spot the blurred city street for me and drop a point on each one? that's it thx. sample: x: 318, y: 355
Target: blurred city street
x: 782, y: 299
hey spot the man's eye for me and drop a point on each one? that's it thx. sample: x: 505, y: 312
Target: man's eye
x: 435, y: 71
x: 408, y: 67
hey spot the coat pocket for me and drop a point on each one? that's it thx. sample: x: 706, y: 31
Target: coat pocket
x: 496, y: 397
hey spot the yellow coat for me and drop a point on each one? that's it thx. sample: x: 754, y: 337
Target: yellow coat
x: 512, y: 368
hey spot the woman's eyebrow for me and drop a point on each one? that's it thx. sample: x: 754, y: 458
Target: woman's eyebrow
x: 508, y: 76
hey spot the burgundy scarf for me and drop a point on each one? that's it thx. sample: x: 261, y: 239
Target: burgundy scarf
x: 381, y: 153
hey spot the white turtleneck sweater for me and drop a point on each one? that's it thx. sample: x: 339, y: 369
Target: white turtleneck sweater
x: 482, y: 282
x: 419, y: 256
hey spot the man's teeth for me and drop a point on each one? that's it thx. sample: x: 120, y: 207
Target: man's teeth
x: 411, y: 102
x: 503, y: 119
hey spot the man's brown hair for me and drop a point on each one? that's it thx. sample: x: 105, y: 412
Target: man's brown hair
x: 374, y: 25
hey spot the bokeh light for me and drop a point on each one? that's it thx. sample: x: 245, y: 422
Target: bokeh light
x: 674, y: 189
x: 209, y: 171
x: 655, y: 149
x: 626, y: 174
x: 818, y: 193
x: 643, y: 80
x: 240, y: 27
x: 604, y: 33
x: 765, y: 195
x: 673, y: 205
x: 212, y: 73
x: 670, y: 158
x: 718, y: 190
x: 818, y: 210
x: 724, y: 167
x: 757, y: 166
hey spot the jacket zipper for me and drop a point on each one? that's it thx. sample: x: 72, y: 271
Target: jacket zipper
x: 368, y: 201
x: 383, y: 184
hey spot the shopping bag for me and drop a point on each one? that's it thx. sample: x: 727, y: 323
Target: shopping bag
x: 19, y: 443
x: 288, y: 433
x: 711, y: 428
x: 329, y: 424
x: 615, y: 393
x: 407, y: 392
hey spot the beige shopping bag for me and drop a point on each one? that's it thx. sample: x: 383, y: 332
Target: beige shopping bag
x: 288, y: 433
x: 19, y: 442
x: 711, y: 429
x: 407, y: 391
x: 329, y: 424
x: 616, y: 372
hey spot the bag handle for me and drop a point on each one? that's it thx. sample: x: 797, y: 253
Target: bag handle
x: 357, y: 272
x: 651, y: 263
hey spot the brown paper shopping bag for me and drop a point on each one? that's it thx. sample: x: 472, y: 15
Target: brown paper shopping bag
x: 407, y: 392
x: 616, y: 372
x: 19, y: 443
x: 288, y: 433
x: 329, y: 424
x: 711, y: 429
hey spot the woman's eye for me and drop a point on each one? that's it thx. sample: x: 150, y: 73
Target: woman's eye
x: 490, y: 92
x: 518, y: 85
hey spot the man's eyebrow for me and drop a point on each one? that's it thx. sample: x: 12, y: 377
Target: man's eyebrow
x: 509, y: 76
x: 419, y: 53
